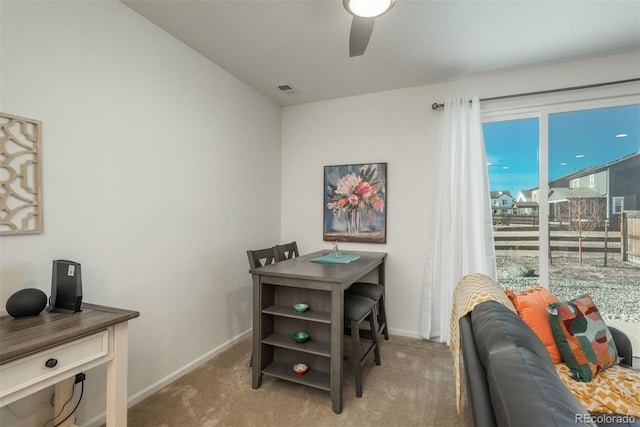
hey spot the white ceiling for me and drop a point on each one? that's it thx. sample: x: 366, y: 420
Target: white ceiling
x: 266, y: 43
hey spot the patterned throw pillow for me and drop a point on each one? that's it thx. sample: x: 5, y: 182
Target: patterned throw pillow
x: 582, y: 337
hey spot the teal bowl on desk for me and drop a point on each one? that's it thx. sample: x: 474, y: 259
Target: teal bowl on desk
x: 301, y: 308
x: 300, y: 337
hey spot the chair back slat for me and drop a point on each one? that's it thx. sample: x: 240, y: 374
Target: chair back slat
x: 261, y: 257
x: 286, y: 251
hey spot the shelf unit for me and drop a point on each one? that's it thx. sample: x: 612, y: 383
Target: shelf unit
x: 280, y: 320
x: 276, y: 288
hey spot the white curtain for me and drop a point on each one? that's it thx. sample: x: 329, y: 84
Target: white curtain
x: 462, y: 231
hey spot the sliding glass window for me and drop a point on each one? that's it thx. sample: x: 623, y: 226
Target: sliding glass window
x: 512, y: 148
x: 565, y: 193
x: 594, y: 169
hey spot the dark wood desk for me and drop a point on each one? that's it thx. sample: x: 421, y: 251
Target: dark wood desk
x: 276, y: 288
x: 76, y: 342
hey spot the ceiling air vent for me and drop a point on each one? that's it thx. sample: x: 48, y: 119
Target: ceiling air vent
x: 287, y: 88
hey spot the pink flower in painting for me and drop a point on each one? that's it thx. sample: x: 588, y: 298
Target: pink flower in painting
x: 364, y: 190
x: 353, y: 199
x: 347, y: 184
x: 378, y: 205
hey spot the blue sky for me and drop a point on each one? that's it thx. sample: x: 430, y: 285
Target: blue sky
x: 577, y: 140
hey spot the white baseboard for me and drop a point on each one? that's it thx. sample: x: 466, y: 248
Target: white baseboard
x: 158, y: 385
x: 403, y: 333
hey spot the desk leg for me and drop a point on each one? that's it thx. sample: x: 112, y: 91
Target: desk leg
x: 117, y: 378
x: 64, y: 392
x: 337, y: 331
x: 256, y: 354
x: 383, y: 302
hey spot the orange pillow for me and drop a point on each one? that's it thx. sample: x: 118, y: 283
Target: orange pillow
x: 532, y: 308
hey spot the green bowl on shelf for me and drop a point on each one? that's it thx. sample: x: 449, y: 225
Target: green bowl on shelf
x: 300, y: 336
x: 301, y: 308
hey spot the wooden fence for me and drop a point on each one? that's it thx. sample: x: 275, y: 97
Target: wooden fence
x: 630, y: 235
x: 531, y: 220
x: 519, y: 233
x: 558, y: 243
x: 512, y: 221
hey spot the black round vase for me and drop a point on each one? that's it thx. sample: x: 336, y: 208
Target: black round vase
x: 26, y: 302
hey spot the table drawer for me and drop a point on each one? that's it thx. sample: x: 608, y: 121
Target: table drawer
x: 33, y: 369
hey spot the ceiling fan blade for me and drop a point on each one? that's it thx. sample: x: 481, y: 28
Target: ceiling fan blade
x: 361, y: 29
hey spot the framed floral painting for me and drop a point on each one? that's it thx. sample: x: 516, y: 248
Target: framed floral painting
x: 355, y: 203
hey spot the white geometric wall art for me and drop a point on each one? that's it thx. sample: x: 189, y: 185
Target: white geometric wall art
x: 20, y: 175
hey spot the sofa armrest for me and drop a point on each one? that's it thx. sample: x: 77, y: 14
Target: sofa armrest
x: 476, y: 377
x: 623, y: 344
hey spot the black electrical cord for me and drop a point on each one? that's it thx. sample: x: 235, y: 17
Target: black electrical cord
x: 73, y: 389
x: 65, y: 404
x: 77, y: 404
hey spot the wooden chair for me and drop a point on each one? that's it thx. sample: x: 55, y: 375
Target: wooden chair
x: 259, y: 258
x: 357, y: 309
x: 376, y: 293
x: 286, y: 251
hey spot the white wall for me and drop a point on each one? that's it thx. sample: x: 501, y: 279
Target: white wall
x: 159, y: 171
x: 400, y: 128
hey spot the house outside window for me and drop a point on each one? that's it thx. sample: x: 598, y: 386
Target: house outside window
x: 592, y: 181
x: 575, y: 183
x: 617, y: 205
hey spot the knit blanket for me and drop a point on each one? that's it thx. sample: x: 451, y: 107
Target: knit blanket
x: 615, y: 390
x: 470, y: 291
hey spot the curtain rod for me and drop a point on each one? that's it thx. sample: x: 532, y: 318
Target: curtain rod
x: 436, y: 105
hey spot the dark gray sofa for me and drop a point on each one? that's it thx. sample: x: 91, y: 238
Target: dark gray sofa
x: 511, y: 379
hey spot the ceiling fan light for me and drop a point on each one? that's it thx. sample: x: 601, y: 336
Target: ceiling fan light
x: 368, y: 8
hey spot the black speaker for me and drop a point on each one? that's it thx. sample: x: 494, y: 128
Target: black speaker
x: 26, y: 303
x: 66, y: 287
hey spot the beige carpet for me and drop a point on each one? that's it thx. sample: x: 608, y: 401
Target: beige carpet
x: 414, y: 386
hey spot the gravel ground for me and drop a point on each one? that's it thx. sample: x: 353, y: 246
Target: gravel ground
x: 615, y: 289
